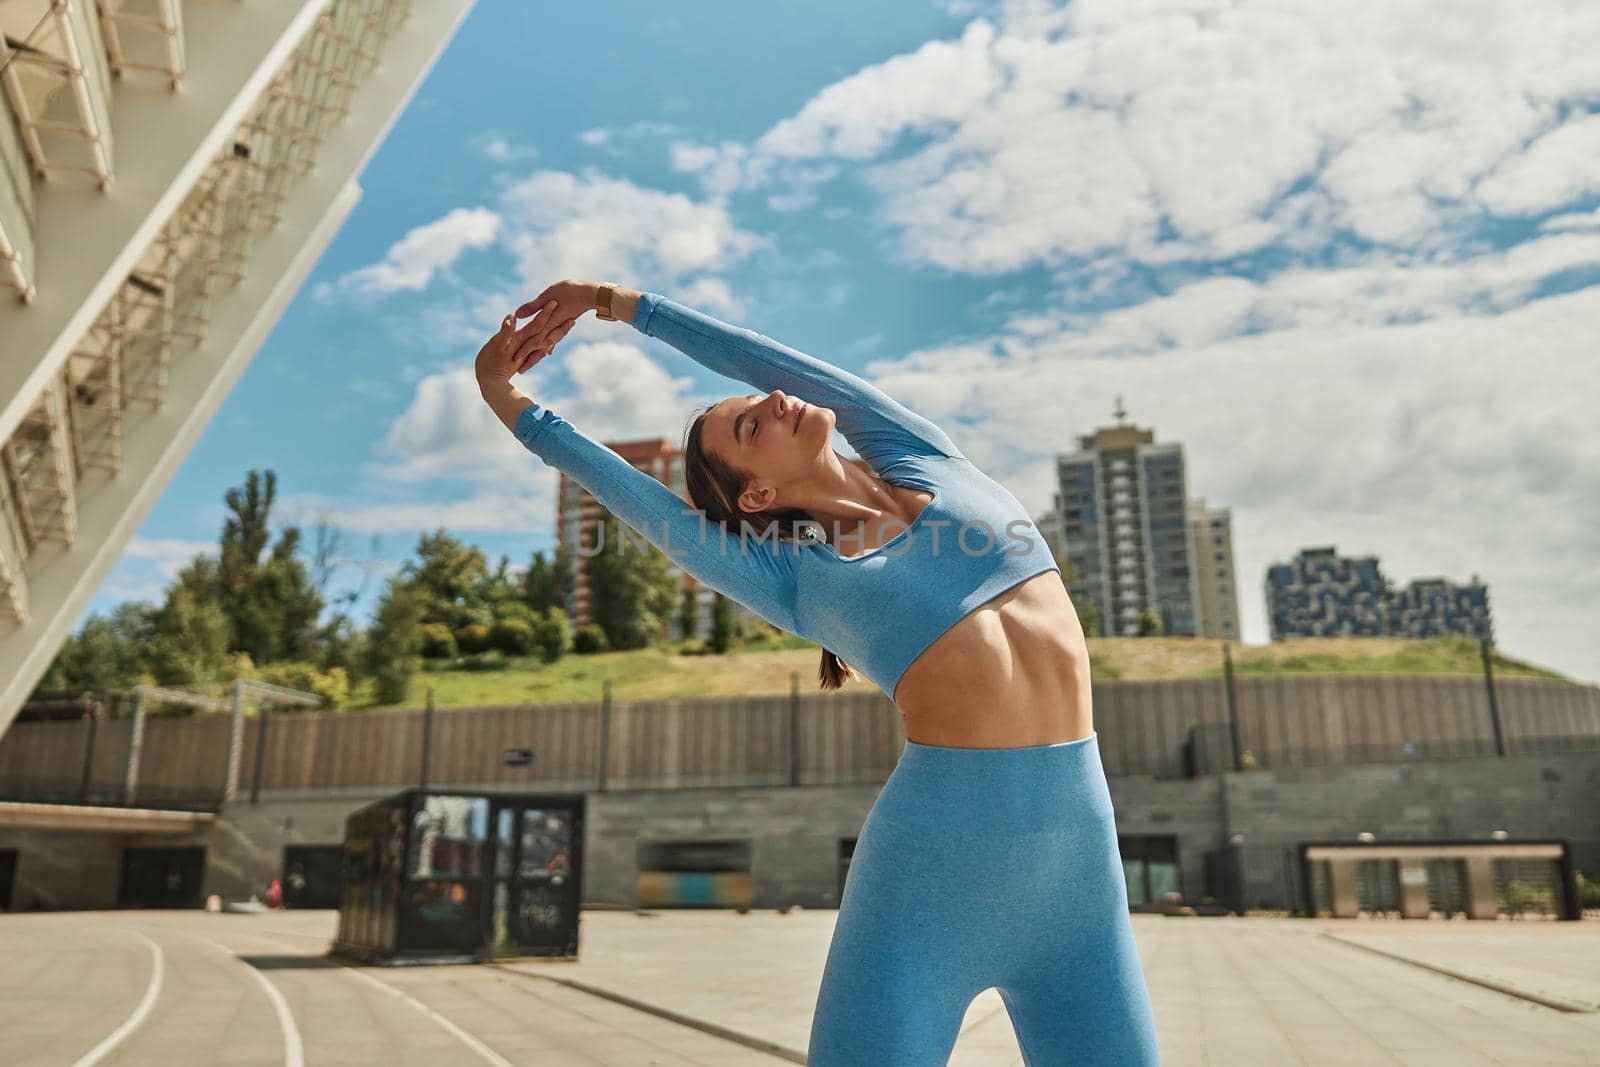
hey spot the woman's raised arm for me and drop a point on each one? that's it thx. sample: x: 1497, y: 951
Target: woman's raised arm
x: 758, y: 572
x: 877, y: 426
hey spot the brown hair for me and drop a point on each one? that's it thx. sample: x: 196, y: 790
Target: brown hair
x: 714, y: 488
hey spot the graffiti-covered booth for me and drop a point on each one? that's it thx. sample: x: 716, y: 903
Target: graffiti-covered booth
x: 452, y: 876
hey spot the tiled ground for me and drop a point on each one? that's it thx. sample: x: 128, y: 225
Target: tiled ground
x: 719, y: 988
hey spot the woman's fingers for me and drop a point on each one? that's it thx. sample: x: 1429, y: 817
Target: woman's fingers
x: 546, y: 340
x: 538, y: 303
x: 538, y: 325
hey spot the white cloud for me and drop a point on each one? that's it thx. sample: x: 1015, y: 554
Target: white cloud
x: 1558, y: 168
x: 617, y: 140
x: 496, y: 147
x: 1577, y: 220
x: 555, y: 225
x: 426, y: 251
x: 562, y: 225
x: 448, y: 438
x: 1459, y: 446
x: 1188, y: 129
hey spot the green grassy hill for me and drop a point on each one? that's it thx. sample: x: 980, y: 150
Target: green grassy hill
x: 661, y: 673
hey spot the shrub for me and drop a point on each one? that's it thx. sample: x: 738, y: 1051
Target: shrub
x: 1588, y: 890
x: 552, y: 635
x: 590, y: 638
x: 760, y: 635
x: 332, y: 685
x: 473, y: 639
x: 511, y: 636
x: 493, y: 660
x: 438, y: 642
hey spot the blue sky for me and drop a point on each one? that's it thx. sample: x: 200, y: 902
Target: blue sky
x: 1347, y: 255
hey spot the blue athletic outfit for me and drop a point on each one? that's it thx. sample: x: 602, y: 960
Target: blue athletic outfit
x: 975, y: 868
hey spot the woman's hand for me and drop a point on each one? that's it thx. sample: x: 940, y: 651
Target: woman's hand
x: 554, y: 311
x: 512, y: 350
x: 495, y: 363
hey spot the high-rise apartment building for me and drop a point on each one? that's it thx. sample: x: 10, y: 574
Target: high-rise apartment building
x: 169, y: 174
x: 1121, y: 519
x: 577, y: 511
x: 1216, y: 583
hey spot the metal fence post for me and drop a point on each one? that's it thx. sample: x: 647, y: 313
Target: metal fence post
x: 427, y: 740
x: 605, y: 733
x: 130, y: 774
x: 230, y: 778
x: 794, y: 728
x: 93, y: 716
x: 264, y: 717
x: 1233, y: 705
x: 1494, y: 702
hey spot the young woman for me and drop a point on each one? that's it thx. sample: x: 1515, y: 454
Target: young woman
x: 989, y: 858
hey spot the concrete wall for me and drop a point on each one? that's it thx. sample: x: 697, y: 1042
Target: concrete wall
x: 796, y: 832
x: 60, y: 870
x: 1188, y: 809
x: 1527, y: 796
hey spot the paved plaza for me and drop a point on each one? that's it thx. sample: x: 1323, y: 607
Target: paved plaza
x: 720, y: 988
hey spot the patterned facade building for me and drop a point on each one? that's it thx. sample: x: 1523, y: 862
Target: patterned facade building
x: 1431, y: 607
x: 1322, y: 594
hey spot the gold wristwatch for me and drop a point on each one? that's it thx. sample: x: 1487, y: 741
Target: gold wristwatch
x: 602, y: 302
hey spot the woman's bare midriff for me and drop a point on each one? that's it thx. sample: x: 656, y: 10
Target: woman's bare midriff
x: 1011, y: 673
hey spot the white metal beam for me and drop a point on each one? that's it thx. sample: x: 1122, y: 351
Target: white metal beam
x: 154, y: 447
x: 235, y: 51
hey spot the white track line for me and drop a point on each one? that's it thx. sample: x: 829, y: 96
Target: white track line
x: 293, y: 1049
x: 489, y: 1054
x: 115, y: 1038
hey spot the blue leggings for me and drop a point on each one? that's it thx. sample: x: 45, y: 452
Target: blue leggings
x: 979, y: 868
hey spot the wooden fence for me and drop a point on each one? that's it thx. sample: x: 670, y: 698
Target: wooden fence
x: 1166, y: 729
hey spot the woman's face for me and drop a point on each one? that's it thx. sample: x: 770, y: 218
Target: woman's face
x: 777, y: 438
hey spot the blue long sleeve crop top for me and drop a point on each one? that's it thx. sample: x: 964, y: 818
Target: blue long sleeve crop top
x: 876, y: 610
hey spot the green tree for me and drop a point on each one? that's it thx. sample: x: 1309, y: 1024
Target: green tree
x: 498, y: 591
x: 272, y: 604
x: 689, y: 613
x: 548, y: 582
x: 107, y: 652
x: 453, y: 580
x: 1149, y: 623
x: 722, y: 631
x: 339, y: 644
x: 632, y: 589
x: 191, y: 636
x: 392, y: 642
